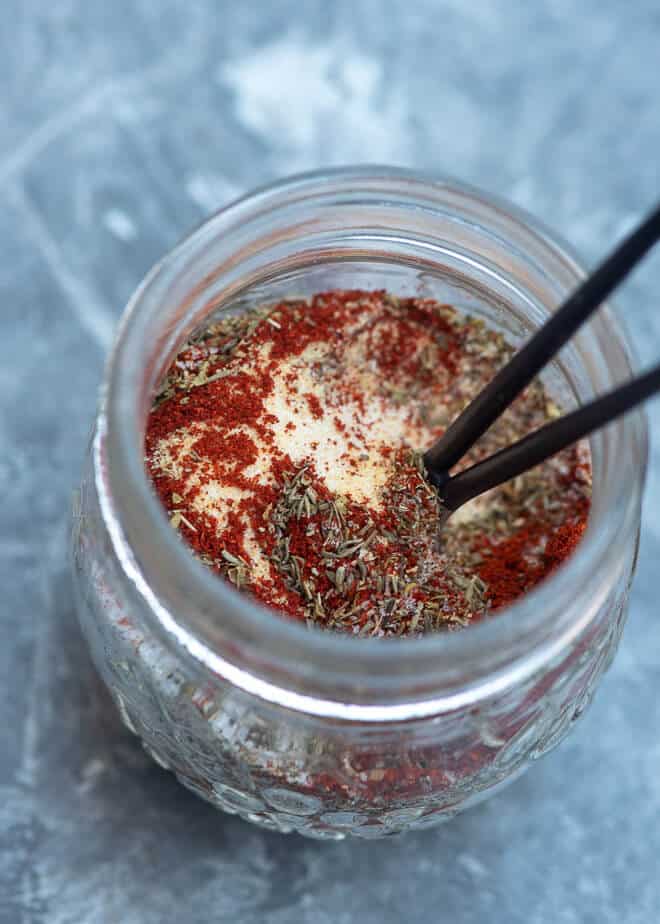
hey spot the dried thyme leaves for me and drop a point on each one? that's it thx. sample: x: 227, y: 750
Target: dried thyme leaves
x: 374, y: 575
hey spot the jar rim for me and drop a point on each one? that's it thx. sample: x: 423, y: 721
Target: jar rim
x: 280, y: 660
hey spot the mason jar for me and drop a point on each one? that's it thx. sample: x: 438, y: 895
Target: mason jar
x: 297, y: 729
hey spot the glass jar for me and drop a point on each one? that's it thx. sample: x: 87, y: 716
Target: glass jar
x: 296, y: 729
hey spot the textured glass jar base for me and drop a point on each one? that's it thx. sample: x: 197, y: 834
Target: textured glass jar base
x: 295, y: 773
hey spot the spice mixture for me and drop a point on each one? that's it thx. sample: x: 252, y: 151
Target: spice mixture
x: 285, y: 444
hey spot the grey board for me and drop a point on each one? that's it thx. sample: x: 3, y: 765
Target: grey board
x: 121, y: 125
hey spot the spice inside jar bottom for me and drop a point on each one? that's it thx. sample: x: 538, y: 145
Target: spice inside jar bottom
x: 285, y: 444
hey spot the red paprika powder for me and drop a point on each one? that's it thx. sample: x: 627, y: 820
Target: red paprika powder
x: 285, y: 445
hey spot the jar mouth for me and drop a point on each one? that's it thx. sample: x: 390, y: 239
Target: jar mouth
x: 264, y: 653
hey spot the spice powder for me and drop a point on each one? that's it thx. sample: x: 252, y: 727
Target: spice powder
x: 285, y: 445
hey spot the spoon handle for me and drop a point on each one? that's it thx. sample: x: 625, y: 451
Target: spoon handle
x: 543, y: 345
x: 543, y: 443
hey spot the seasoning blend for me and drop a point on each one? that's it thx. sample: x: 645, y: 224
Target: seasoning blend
x: 285, y: 446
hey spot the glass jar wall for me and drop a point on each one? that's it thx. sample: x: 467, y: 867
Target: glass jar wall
x: 303, y: 730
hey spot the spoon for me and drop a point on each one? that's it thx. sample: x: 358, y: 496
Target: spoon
x: 507, y: 384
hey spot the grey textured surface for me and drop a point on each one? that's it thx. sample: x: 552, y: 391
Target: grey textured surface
x: 120, y: 126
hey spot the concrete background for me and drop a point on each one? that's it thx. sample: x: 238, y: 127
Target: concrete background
x: 121, y: 125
